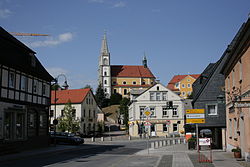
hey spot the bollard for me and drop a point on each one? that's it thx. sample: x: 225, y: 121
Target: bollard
x: 152, y: 145
x: 129, y: 137
x: 102, y: 138
x: 160, y: 143
x: 173, y: 141
x: 164, y: 142
x: 168, y: 142
x: 156, y: 144
x: 184, y: 141
x: 179, y: 141
x: 93, y: 139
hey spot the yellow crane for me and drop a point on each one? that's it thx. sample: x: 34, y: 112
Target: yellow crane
x: 27, y: 34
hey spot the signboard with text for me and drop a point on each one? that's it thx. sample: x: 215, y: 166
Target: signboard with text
x: 195, y: 116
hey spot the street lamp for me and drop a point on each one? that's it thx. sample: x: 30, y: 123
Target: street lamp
x: 65, y: 85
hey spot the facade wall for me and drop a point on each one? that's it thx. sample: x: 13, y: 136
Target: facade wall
x: 185, y: 86
x: 163, y: 123
x: 238, y: 119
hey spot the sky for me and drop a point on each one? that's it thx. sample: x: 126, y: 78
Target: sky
x: 177, y: 36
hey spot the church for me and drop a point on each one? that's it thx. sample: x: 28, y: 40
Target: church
x: 122, y: 79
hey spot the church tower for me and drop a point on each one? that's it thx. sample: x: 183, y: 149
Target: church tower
x: 104, y: 68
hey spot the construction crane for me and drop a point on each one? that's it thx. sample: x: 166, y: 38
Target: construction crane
x: 27, y: 34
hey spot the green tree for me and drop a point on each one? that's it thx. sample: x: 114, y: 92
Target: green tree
x: 88, y: 86
x: 101, y: 100
x: 68, y: 122
x: 124, y: 109
x: 115, y: 98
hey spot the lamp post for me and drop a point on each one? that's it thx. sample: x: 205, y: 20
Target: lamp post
x: 65, y: 85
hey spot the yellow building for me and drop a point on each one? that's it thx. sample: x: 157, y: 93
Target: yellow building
x: 122, y: 78
x: 182, y: 84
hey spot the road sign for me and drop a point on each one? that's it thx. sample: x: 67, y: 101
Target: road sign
x: 204, y: 141
x: 193, y: 121
x: 195, y: 116
x: 147, y: 124
x: 147, y: 112
x: 195, y: 111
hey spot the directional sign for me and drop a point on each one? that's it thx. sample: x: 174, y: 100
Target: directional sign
x: 197, y: 116
x: 195, y: 111
x: 193, y: 121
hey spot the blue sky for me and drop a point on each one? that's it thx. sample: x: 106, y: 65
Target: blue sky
x: 178, y: 36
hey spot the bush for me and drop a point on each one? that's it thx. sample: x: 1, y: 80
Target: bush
x: 237, y: 149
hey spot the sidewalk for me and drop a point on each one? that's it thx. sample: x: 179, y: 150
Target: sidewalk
x: 181, y: 156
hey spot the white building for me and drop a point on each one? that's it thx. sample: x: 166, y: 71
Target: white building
x: 83, y: 101
x: 165, y: 120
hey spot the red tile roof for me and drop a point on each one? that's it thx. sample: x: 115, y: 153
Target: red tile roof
x: 74, y: 95
x: 131, y: 71
x: 178, y: 78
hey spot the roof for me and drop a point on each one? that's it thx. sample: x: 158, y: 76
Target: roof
x: 178, y: 78
x: 134, y: 86
x: 72, y: 95
x: 20, y: 57
x: 131, y: 71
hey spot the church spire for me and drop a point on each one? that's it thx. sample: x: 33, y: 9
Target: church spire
x: 144, y: 61
x: 104, y: 48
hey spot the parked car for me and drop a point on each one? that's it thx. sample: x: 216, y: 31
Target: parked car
x: 64, y: 137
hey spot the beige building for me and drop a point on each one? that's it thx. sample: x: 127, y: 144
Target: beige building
x: 84, y: 104
x: 237, y: 88
x: 122, y: 78
x: 167, y: 110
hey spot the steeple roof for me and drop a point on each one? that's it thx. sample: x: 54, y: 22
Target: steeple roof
x: 104, y: 48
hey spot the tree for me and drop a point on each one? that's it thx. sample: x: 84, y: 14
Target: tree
x: 88, y: 86
x: 55, y: 87
x: 101, y: 100
x: 124, y: 109
x: 68, y: 121
x: 115, y: 98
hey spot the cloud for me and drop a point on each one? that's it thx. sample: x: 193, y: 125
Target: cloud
x: 4, y: 13
x: 119, y: 5
x: 62, y: 38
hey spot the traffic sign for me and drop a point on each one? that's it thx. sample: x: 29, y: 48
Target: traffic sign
x: 147, y: 112
x: 193, y: 121
x: 196, y: 116
x: 195, y: 111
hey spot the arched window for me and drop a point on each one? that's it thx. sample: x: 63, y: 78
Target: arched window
x: 125, y: 92
x: 105, y: 81
x: 105, y: 61
x: 105, y: 90
x: 105, y: 73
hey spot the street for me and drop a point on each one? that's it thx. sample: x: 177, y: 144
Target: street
x: 115, y: 154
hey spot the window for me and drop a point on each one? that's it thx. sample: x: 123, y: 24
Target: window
x: 62, y: 113
x: 105, y: 73
x: 212, y: 109
x: 44, y: 89
x: 143, y: 82
x: 35, y: 86
x: 83, y: 112
x: 165, y: 127
x: 93, y: 113
x: 183, y: 85
x: 188, y: 85
x: 164, y: 96
x: 177, y: 85
x: 158, y: 95
x: 41, y: 121
x: 188, y: 80
x: 175, y: 111
x: 230, y: 128
x: 32, y: 120
x: 175, y: 127
x: 141, y: 111
x: 105, y: 90
x: 124, y: 83
x: 23, y: 83
x: 157, y: 88
x: 105, y: 82
x: 114, y: 82
x: 11, y: 79
x: 233, y: 77
x: 183, y: 93
x: 152, y: 109
x: 51, y: 113
x: 115, y: 91
x: 164, y: 111
x: 105, y: 61
x: 73, y: 113
x: 134, y: 83
x: 125, y: 91
x: 152, y: 96
x: 240, y: 70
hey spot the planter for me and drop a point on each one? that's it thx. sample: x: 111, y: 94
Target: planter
x: 237, y: 154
